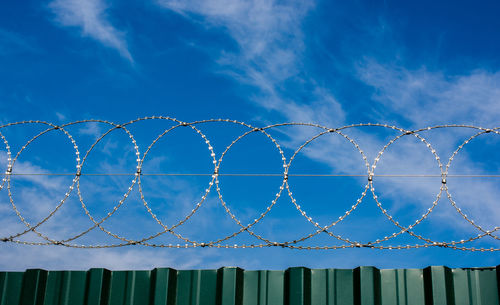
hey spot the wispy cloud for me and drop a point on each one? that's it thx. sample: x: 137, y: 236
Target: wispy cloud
x: 269, y: 55
x: 26, y: 167
x: 432, y: 97
x: 61, y: 116
x: 420, y: 98
x: 90, y: 16
x: 91, y: 129
x: 21, y: 258
x: 11, y: 42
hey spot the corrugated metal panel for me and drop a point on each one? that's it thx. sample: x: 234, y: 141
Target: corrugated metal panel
x: 227, y: 286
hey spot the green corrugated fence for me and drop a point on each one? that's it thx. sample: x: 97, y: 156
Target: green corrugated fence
x: 226, y: 286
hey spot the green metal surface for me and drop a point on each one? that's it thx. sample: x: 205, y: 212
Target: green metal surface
x: 228, y: 286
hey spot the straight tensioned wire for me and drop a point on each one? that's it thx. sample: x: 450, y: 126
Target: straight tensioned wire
x: 221, y: 241
x: 262, y: 175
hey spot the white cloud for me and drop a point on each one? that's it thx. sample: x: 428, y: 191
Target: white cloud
x: 91, y: 17
x: 37, y: 177
x: 11, y: 42
x: 427, y: 98
x: 60, y: 116
x: 62, y: 258
x: 91, y: 129
x: 270, y: 56
x: 424, y: 97
x: 270, y: 49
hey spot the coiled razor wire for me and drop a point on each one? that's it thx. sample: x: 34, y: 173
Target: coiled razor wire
x: 214, y: 182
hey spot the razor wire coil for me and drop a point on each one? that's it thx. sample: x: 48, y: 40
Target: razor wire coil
x: 262, y: 241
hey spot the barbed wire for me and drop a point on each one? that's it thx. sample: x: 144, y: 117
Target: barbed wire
x: 261, y: 241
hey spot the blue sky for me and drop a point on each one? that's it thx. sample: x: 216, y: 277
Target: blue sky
x: 333, y: 63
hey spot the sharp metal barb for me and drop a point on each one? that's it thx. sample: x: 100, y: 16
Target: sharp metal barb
x: 214, y: 185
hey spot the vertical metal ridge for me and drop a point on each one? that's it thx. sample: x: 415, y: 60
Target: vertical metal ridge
x: 356, y: 280
x: 486, y: 292
x: 118, y: 292
x: 428, y: 286
x: 399, y: 292
x: 163, y: 286
x: 320, y: 284
x: 98, y: 286
x: 477, y: 285
x: 183, y: 291
x: 275, y: 287
x: 33, y: 290
x: 346, y: 287
x: 331, y: 284
x: 196, y: 284
x: 54, y: 287
x: 401, y: 287
x: 4, y: 292
x: 11, y: 284
x: 414, y: 286
x: 497, y: 269
x: 332, y: 287
x: 4, y: 278
x: 463, y: 286
x: 65, y: 288
x: 298, y: 286
x: 207, y: 287
x: 230, y: 286
x: 391, y: 291
x: 264, y: 287
x: 65, y: 295
x: 439, y: 280
x: 196, y: 287
x: 253, y: 289
x: 130, y: 281
x: 138, y: 287
x: 367, y: 286
x: 77, y: 287
x: 449, y: 289
x: 235, y: 286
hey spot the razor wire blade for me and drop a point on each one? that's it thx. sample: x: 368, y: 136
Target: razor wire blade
x: 261, y: 241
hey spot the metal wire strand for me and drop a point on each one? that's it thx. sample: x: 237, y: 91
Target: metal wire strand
x: 215, y: 183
